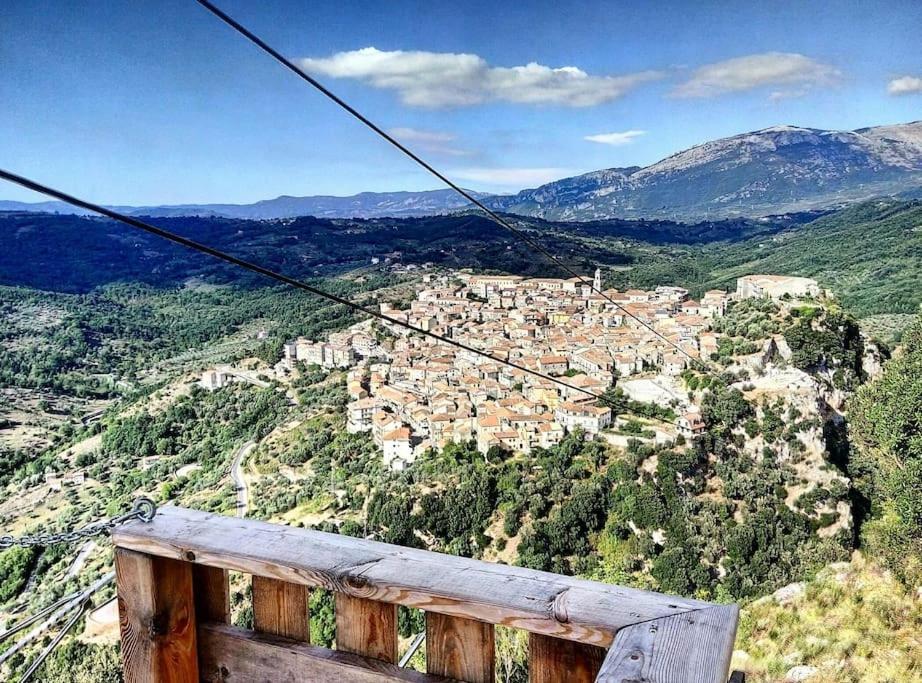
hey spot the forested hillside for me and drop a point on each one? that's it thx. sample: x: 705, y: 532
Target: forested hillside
x: 869, y: 255
x: 99, y: 371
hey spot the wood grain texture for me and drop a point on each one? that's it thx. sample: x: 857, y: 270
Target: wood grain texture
x: 460, y: 648
x: 156, y: 618
x: 540, y: 602
x: 688, y: 648
x: 211, y: 588
x: 366, y: 627
x: 551, y: 660
x: 233, y: 655
x: 281, y: 608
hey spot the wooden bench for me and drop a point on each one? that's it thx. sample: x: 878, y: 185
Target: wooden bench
x: 175, y: 613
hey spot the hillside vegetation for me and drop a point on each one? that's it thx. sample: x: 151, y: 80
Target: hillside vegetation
x: 886, y: 429
x: 772, y: 492
x: 851, y: 623
x: 869, y: 255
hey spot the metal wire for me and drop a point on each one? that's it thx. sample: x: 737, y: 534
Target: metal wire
x: 57, y: 616
x: 414, y: 646
x: 492, y: 215
x: 78, y: 612
x: 253, y: 267
x: 25, y: 623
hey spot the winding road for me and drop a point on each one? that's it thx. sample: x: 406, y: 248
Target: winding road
x: 240, y: 484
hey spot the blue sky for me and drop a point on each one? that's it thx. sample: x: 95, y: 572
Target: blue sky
x: 127, y: 102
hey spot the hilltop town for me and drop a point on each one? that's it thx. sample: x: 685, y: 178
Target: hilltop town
x: 414, y: 393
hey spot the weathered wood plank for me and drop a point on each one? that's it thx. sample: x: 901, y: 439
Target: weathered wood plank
x: 539, y: 602
x: 156, y: 618
x: 694, y: 647
x: 460, y: 648
x: 212, y: 593
x: 280, y: 608
x: 233, y: 654
x: 551, y: 660
x: 366, y: 627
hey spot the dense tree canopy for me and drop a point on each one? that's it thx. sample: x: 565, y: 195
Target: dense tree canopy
x: 886, y: 428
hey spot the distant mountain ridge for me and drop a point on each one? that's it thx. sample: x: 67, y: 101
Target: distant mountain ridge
x: 363, y: 205
x: 775, y: 170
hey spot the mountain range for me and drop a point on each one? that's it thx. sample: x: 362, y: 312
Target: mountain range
x: 775, y: 170
x: 362, y: 205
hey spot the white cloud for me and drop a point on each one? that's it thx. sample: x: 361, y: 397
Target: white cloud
x: 511, y: 177
x: 444, y: 79
x: 431, y: 141
x: 905, y: 85
x: 756, y: 71
x: 616, y: 139
x: 779, y: 95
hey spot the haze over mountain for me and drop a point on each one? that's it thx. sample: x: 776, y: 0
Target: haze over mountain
x: 362, y: 205
x: 770, y: 171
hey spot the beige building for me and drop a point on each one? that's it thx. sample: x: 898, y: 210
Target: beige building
x: 775, y: 286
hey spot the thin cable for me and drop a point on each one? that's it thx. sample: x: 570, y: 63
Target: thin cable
x: 78, y: 612
x: 205, y: 249
x: 495, y: 217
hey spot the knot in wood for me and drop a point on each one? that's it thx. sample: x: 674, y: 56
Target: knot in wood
x: 357, y: 583
x: 159, y: 624
x: 559, y: 607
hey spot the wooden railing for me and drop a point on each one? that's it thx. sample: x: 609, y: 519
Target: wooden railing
x: 175, y: 614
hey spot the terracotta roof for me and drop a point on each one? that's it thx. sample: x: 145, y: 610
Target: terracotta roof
x: 402, y: 434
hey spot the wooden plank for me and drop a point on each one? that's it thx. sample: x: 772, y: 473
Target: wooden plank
x: 366, y: 627
x: 460, y: 648
x: 539, y: 602
x: 212, y: 593
x: 241, y: 656
x: 694, y: 647
x: 156, y: 618
x: 553, y: 659
x: 281, y: 608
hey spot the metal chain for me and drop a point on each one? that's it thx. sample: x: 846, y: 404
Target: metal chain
x: 143, y: 509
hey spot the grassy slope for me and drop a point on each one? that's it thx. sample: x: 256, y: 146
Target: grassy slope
x: 853, y: 622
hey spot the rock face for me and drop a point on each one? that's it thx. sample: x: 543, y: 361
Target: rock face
x: 799, y: 673
x: 790, y: 593
x: 775, y: 170
x: 819, y: 488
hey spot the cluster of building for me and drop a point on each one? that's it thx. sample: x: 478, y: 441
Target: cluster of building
x: 412, y: 392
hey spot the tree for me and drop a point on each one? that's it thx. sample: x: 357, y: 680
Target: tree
x: 886, y: 462
x: 78, y: 662
x: 724, y: 408
x: 15, y: 566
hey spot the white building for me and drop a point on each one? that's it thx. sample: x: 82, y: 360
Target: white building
x: 592, y: 418
x: 775, y: 286
x: 216, y: 378
x: 359, y: 415
x: 690, y: 424
x: 398, y: 450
